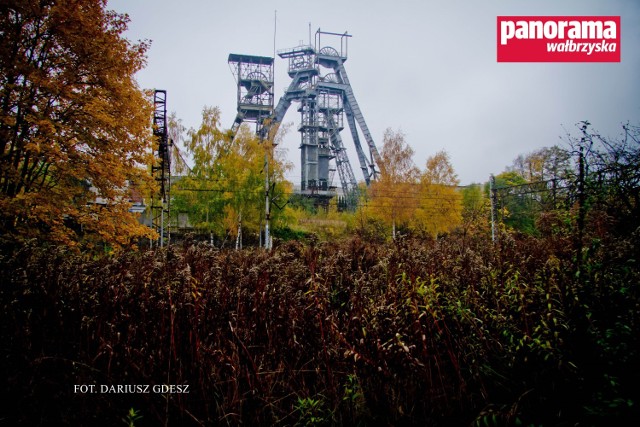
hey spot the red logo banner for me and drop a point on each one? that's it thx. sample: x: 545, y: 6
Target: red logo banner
x: 558, y: 39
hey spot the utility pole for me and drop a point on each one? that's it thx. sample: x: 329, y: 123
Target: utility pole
x: 267, y: 207
x: 267, y: 213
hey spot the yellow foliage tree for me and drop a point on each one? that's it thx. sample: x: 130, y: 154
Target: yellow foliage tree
x: 74, y: 126
x: 224, y: 192
x: 394, y: 195
x: 476, y: 209
x: 440, y: 203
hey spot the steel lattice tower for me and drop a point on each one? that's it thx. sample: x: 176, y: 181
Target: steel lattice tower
x: 162, y: 169
x: 321, y: 87
x: 254, y: 78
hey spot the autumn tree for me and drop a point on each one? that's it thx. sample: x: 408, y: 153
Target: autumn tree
x: 440, y: 207
x: 548, y: 168
x: 74, y: 125
x: 176, y: 133
x: 546, y: 163
x: 393, y: 196
x: 610, y: 175
x: 243, y: 165
x: 197, y: 193
x: 534, y: 183
x: 516, y: 206
x: 476, y: 210
x: 224, y: 193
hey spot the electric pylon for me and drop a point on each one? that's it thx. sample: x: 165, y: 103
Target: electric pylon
x: 161, y: 170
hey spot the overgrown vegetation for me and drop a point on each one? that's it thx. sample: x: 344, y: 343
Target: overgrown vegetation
x: 412, y: 310
x: 454, y: 331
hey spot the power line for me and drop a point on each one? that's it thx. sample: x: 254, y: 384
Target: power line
x: 392, y: 195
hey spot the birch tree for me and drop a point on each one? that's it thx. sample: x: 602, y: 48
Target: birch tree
x: 224, y: 193
x: 393, y: 195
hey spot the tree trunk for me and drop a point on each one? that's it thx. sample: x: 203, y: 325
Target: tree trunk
x: 239, y: 234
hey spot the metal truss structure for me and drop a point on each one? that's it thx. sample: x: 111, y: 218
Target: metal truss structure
x: 161, y: 170
x: 321, y: 87
x: 254, y: 78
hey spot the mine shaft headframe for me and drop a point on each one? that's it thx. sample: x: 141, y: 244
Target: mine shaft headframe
x: 330, y: 51
x: 330, y: 58
x: 162, y: 169
x: 254, y: 80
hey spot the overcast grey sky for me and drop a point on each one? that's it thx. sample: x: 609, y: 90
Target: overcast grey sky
x: 427, y: 68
